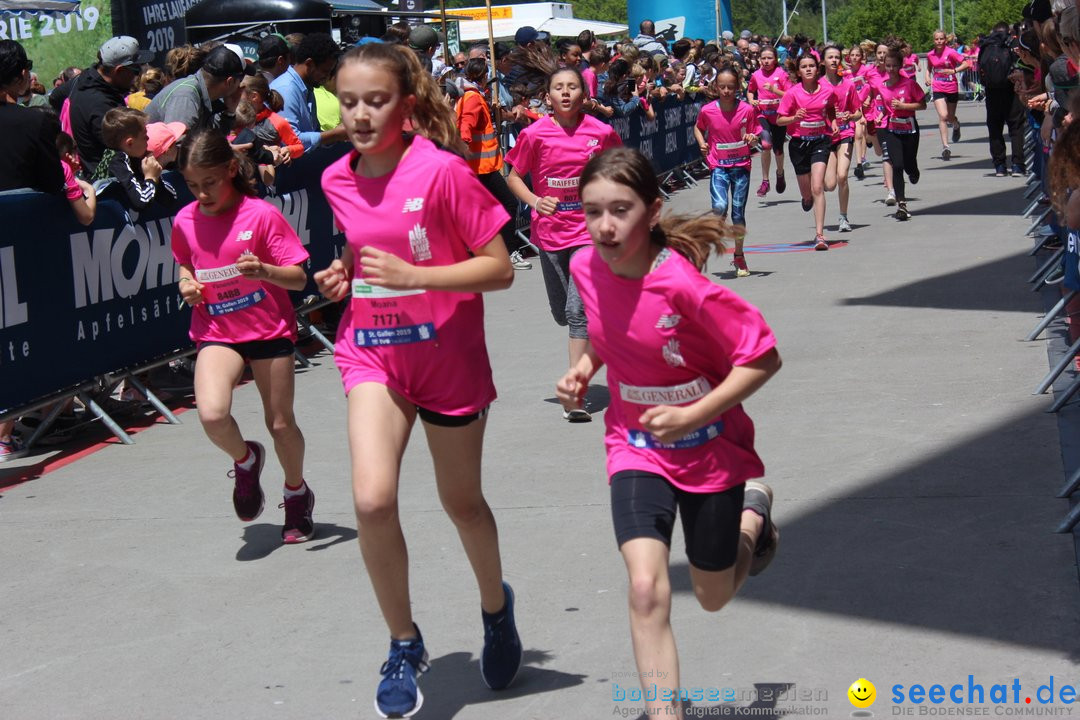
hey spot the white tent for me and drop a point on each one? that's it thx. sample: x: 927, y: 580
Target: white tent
x: 551, y: 17
x: 38, y: 6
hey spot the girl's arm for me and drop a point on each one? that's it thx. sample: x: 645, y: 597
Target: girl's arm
x: 669, y: 423
x: 85, y: 207
x: 190, y: 288
x: 290, y: 277
x: 542, y: 205
x: 571, y: 388
x: 334, y: 281
x: 702, y: 145
x: 488, y: 269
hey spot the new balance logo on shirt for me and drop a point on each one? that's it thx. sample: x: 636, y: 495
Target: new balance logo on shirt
x: 244, y: 236
x: 413, y: 205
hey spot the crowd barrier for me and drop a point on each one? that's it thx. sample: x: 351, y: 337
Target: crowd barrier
x: 81, y: 303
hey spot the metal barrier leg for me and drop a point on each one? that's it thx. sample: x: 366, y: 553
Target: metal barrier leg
x: 1038, y: 221
x: 1051, y: 376
x: 1070, y: 521
x: 1034, y: 204
x: 1065, y: 396
x: 1034, y: 186
x: 154, y: 400
x: 1041, y: 243
x: 315, y: 331
x: 1049, y: 318
x: 103, y: 416
x: 304, y: 362
x: 1071, y: 485
x: 1045, y: 267
x: 687, y: 177
x: 46, y: 422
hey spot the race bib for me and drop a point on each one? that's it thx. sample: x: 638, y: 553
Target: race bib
x: 942, y: 77
x: 769, y: 107
x: 812, y: 124
x: 646, y: 440
x: 226, y: 291
x: 843, y: 126
x: 390, y: 317
x: 731, y: 152
x: 565, y: 191
x: 900, y: 124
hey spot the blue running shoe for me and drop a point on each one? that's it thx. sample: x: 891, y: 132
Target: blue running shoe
x: 501, y: 659
x: 398, y: 695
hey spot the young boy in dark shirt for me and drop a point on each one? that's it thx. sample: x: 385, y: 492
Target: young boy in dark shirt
x: 134, y: 171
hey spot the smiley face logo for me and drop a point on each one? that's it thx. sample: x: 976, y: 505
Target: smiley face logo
x: 862, y: 693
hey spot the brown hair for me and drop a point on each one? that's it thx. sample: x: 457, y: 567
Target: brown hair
x: 184, y: 60
x: 258, y: 83
x: 122, y: 123
x: 209, y: 148
x: 432, y: 117
x: 151, y: 81
x: 245, y: 115
x: 693, y: 237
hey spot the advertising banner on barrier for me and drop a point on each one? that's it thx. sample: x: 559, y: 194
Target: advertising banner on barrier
x: 76, y: 302
x: 668, y: 140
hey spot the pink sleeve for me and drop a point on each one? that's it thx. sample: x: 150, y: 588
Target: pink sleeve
x: 787, y: 105
x: 71, y: 188
x: 612, y: 139
x: 701, y: 123
x: 181, y: 250
x: 280, y: 241
x: 918, y: 93
x: 735, y: 325
x: 752, y: 85
x: 520, y: 156
x: 474, y: 216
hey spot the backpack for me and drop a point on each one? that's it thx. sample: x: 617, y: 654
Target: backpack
x: 995, y: 63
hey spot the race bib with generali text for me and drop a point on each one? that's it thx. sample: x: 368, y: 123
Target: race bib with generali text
x: 565, y: 190
x: 226, y: 291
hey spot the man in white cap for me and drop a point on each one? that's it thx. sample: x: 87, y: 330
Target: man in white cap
x: 98, y: 90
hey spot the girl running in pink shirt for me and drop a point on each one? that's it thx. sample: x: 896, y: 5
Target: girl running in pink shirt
x: 943, y: 65
x: 808, y: 108
x: 859, y: 73
x: 725, y: 132
x: 423, y: 242
x: 766, y: 87
x: 874, y: 113
x: 847, y: 106
x: 238, y: 258
x: 554, y: 151
x: 682, y: 354
x: 900, y: 98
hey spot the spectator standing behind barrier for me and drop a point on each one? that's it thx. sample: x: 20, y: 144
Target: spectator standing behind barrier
x: 30, y: 159
x: 98, y: 90
x: 206, y: 98
x: 80, y: 194
x: 133, y: 168
x: 646, y: 40
x: 313, y: 62
x: 484, y: 154
x: 270, y: 127
x: 424, y: 40
x: 150, y: 84
x: 1003, y: 108
x: 274, y: 57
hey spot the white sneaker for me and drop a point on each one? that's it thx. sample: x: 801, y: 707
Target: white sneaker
x: 577, y: 415
x: 519, y: 262
x: 845, y: 226
x: 890, y: 199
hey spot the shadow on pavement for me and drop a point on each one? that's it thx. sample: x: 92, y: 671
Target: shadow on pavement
x: 1008, y: 201
x: 961, y: 543
x: 974, y: 288
x: 261, y: 539
x: 456, y: 681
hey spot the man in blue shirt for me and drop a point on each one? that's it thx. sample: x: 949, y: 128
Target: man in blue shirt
x: 313, y: 62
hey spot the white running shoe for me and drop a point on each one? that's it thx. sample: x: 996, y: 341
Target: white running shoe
x: 890, y: 199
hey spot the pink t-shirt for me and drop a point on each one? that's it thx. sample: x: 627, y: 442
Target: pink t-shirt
x: 906, y: 91
x: 816, y: 104
x: 845, y: 99
x: 426, y: 345
x: 947, y: 59
x: 591, y: 83
x: 71, y: 188
x: 724, y: 131
x: 768, y: 101
x: 911, y: 66
x: 237, y: 309
x: 859, y: 78
x: 555, y: 157
x: 871, y: 99
x: 668, y: 339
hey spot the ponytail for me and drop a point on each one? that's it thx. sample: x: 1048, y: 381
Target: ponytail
x: 432, y: 117
x: 275, y: 102
x: 695, y: 238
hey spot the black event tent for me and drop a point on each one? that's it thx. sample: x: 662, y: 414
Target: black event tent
x: 221, y: 18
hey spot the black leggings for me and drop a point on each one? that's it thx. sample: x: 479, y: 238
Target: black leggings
x: 902, y: 152
x: 496, y: 185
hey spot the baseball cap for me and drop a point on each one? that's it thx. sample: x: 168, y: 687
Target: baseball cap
x: 271, y: 48
x: 1038, y: 10
x: 162, y: 136
x: 525, y: 35
x: 543, y: 36
x: 224, y: 63
x: 122, y: 51
x: 424, y: 37
x: 727, y: 35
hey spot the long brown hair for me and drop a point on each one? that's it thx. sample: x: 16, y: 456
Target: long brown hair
x: 693, y: 237
x: 271, y: 98
x: 209, y: 148
x: 432, y: 117
x: 1065, y: 160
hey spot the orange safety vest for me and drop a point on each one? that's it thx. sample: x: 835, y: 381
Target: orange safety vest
x: 484, y: 155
